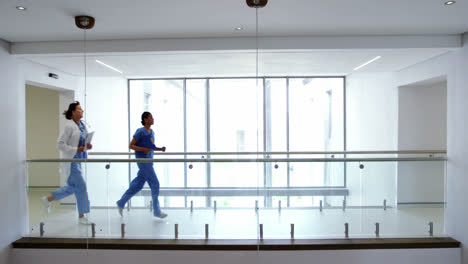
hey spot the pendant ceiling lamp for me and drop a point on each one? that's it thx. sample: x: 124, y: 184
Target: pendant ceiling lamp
x: 85, y: 23
x: 257, y: 3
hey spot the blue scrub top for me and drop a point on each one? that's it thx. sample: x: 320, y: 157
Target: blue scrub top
x: 83, y: 135
x: 144, y: 140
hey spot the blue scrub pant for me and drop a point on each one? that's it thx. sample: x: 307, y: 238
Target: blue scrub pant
x: 145, y: 174
x: 77, y: 186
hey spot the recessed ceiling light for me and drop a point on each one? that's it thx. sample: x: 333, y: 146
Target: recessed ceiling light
x: 367, y: 62
x: 108, y: 66
x: 239, y: 28
x: 450, y: 2
x: 22, y: 8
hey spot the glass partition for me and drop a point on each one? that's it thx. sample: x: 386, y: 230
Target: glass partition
x: 61, y: 220
x: 371, y: 201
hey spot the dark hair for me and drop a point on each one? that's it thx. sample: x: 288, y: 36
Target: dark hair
x: 72, y: 107
x: 144, y: 116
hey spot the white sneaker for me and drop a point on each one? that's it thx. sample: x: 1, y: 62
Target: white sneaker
x: 46, y: 204
x: 84, y: 221
x: 161, y: 215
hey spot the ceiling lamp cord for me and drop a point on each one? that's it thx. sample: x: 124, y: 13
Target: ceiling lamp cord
x: 257, y: 4
x: 85, y: 23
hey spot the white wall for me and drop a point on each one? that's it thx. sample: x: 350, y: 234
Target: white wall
x: 38, y: 75
x: 14, y: 74
x: 422, y: 116
x: 457, y: 147
x: 455, y: 66
x: 413, y: 256
x: 422, y: 125
x: 371, y: 113
x: 12, y: 139
x: 433, y: 68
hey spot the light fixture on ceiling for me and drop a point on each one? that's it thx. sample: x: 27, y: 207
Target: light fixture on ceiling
x: 367, y: 62
x: 239, y: 28
x: 450, y: 2
x: 84, y: 23
x: 256, y: 3
x: 108, y: 66
x: 21, y: 8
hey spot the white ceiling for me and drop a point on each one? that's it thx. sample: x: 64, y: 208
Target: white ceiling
x: 52, y: 20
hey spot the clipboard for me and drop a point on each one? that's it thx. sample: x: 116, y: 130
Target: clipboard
x: 88, y: 139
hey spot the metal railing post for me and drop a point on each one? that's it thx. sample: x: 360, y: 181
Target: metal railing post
x: 292, y: 231
x: 261, y: 231
x: 93, y: 230
x: 41, y: 229
x: 346, y: 228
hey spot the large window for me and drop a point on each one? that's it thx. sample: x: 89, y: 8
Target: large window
x: 164, y: 99
x: 316, y: 124
x: 244, y: 115
x: 196, y: 130
x: 235, y: 126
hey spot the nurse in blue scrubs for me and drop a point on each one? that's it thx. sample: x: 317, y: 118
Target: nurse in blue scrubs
x: 143, y: 144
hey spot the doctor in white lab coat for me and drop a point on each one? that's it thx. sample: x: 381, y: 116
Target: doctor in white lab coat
x: 71, y: 143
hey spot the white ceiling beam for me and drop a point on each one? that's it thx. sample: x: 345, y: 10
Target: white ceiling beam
x: 236, y: 44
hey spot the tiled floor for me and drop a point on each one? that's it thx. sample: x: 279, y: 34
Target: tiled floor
x: 236, y: 223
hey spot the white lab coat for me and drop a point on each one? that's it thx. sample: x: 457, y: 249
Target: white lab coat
x: 68, y: 140
x: 67, y: 143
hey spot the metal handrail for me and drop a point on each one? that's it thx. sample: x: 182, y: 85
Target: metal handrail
x: 269, y: 160
x: 282, y: 152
